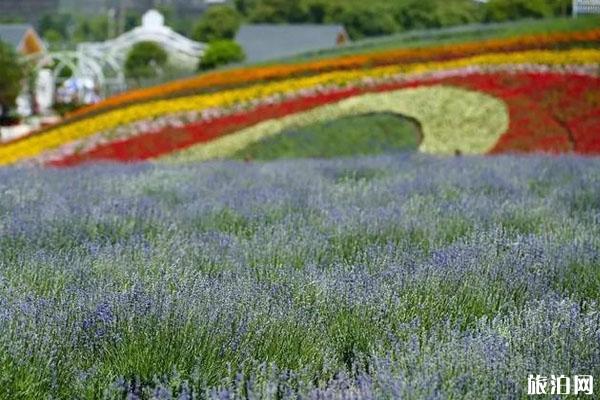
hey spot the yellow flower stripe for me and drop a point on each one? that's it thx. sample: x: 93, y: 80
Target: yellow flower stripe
x: 36, y: 144
x: 451, y: 119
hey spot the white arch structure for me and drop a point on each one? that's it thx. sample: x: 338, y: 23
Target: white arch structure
x: 104, y: 70
x: 181, y: 50
x: 103, y: 62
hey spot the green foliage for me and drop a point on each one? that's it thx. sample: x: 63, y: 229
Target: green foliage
x: 65, y: 71
x: 561, y: 7
x: 243, y: 6
x: 423, y: 14
x: 12, y: 74
x: 220, y: 278
x: 503, y: 10
x: 132, y: 20
x: 276, y: 11
x: 317, y: 11
x: 581, y: 280
x: 91, y: 29
x: 145, y: 60
x: 168, y: 12
x: 64, y: 30
x: 380, y: 17
x: 221, y: 52
x: 362, y: 134
x: 59, y: 23
x: 54, y: 39
x: 368, y: 21
x: 217, y: 23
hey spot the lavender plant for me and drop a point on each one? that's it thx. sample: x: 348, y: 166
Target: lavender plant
x: 403, y: 276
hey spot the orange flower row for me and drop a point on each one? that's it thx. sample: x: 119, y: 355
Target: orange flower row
x: 247, y: 75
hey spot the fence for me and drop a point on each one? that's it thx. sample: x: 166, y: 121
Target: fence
x: 581, y: 7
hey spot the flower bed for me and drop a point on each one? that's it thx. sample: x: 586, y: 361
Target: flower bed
x: 411, y: 277
x: 244, y: 76
x: 35, y: 145
x: 451, y: 119
x: 532, y: 126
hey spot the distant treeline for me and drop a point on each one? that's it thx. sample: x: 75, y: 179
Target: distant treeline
x: 380, y: 17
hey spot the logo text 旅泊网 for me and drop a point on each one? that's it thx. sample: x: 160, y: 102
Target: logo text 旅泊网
x: 560, y: 385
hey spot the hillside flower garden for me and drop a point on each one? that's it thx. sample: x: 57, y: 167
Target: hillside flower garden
x: 419, y: 223
x: 143, y: 122
x: 259, y: 74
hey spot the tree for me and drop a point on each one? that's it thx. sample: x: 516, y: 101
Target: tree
x: 217, y: 23
x: 168, y: 12
x: 61, y: 23
x: 244, y: 6
x: 503, y: 10
x: 54, y: 39
x: 92, y: 29
x: 221, y: 52
x: 360, y: 22
x: 132, y: 19
x: 561, y: 7
x: 317, y: 11
x: 145, y: 60
x: 12, y: 75
x: 276, y: 11
x: 415, y: 14
x: 424, y: 14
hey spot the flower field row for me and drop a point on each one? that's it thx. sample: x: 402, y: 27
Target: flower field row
x: 429, y: 278
x: 515, y: 94
x: 35, y: 145
x: 451, y: 119
x: 472, y: 122
x: 548, y: 112
x: 256, y: 111
x: 244, y: 76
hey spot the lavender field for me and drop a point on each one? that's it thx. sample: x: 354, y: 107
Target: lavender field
x: 387, y: 277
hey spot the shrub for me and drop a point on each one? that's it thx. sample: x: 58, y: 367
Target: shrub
x: 217, y: 23
x: 144, y: 60
x: 360, y: 22
x: 278, y: 11
x: 221, y: 52
x: 11, y: 75
x: 422, y: 14
x: 54, y: 39
x: 503, y: 10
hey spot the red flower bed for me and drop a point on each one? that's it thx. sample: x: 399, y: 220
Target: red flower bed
x: 586, y: 132
x: 549, y: 112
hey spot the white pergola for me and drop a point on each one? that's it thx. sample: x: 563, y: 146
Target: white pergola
x: 104, y: 70
x: 581, y: 7
x: 103, y: 62
x: 182, y: 51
